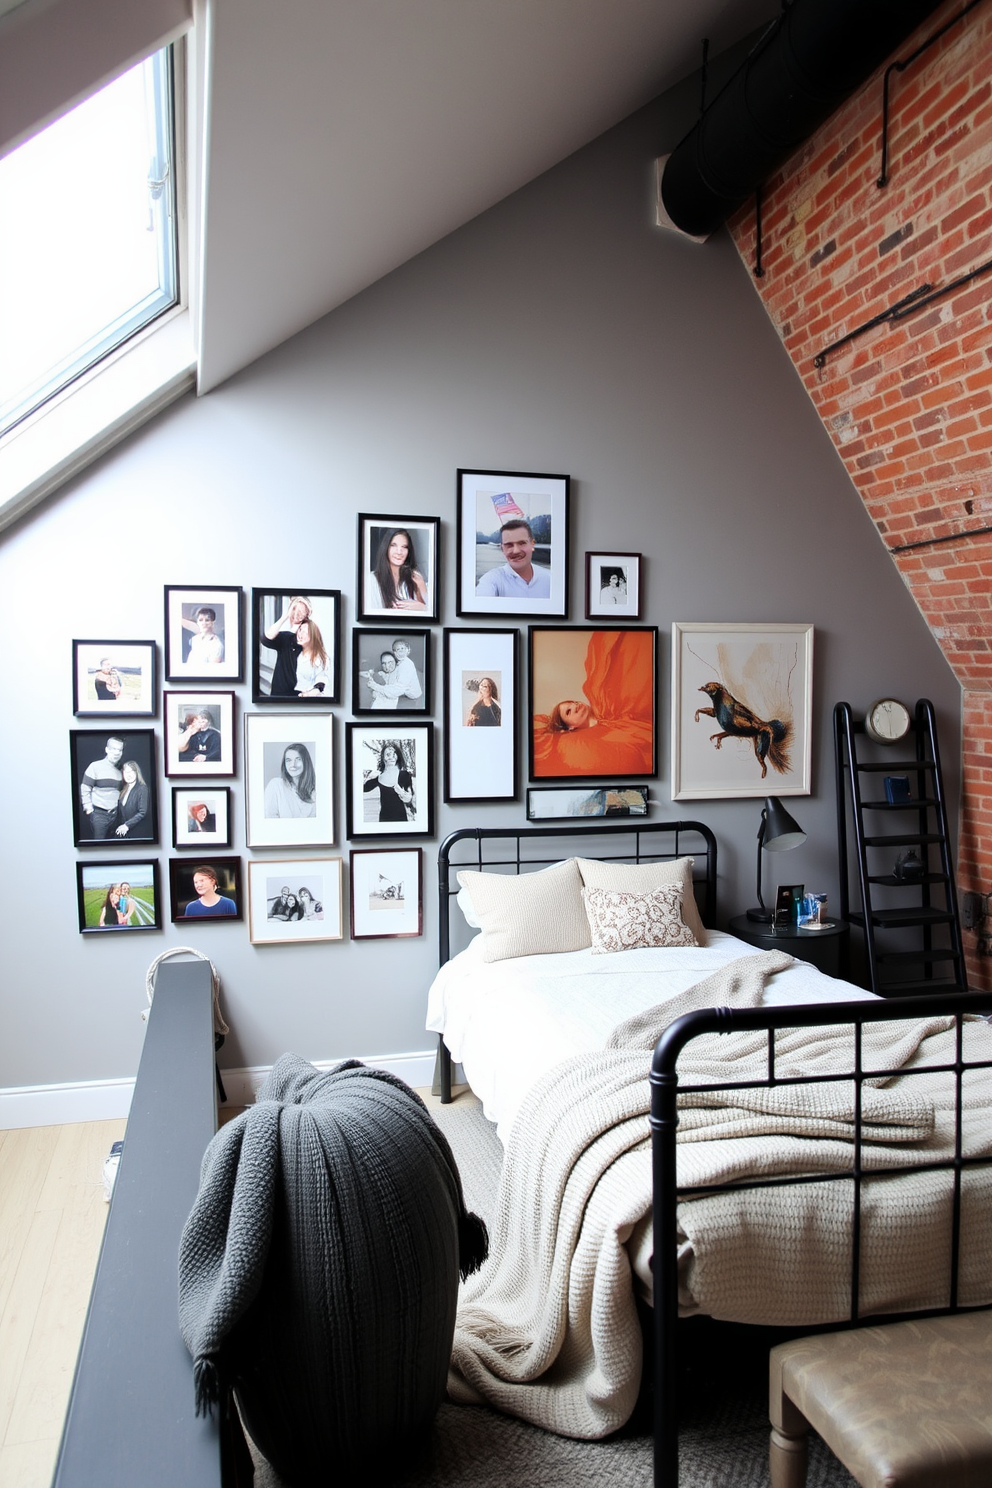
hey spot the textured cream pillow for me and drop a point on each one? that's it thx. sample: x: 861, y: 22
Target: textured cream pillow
x: 638, y: 878
x: 622, y: 921
x: 529, y: 915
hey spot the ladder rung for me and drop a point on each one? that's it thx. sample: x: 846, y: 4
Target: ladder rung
x: 907, y: 883
x: 920, y: 803
x: 920, y: 988
x: 913, y: 958
x: 903, y: 839
x: 894, y: 767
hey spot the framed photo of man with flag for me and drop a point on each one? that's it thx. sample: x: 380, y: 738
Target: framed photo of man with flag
x: 512, y: 543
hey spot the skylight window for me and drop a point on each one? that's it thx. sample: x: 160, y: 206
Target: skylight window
x: 87, y: 236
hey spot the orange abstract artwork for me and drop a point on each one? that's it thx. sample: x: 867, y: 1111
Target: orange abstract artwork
x: 609, y: 729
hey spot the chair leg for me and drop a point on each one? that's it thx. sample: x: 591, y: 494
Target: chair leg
x: 788, y: 1449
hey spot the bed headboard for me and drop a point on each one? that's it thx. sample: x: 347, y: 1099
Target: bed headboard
x: 516, y: 850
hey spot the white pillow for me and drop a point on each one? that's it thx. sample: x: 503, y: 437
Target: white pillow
x: 464, y: 902
x: 622, y: 921
x: 639, y: 878
x: 532, y: 914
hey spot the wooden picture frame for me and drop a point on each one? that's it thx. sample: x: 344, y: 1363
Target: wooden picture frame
x: 390, y: 673
x: 406, y: 590
x: 281, y: 672
x: 404, y: 755
x: 480, y: 714
x: 592, y: 702
x: 199, y: 734
x: 289, y: 779
x: 613, y: 586
x: 114, y: 679
x: 135, y: 906
x: 204, y: 630
x: 387, y: 893
x: 526, y: 572
x: 114, y: 787
x: 311, y: 910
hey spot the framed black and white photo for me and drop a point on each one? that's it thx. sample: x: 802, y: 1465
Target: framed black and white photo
x: 114, y: 786
x: 294, y: 900
x: 613, y: 586
x: 201, y: 817
x: 480, y: 714
x: 118, y: 896
x: 199, y: 733
x: 398, y: 566
x: 296, y: 646
x: 592, y: 712
x: 586, y: 802
x: 203, y: 634
x: 512, y: 543
x: 203, y: 889
x: 390, y: 673
x: 389, y: 788
x: 289, y: 779
x: 114, y: 679
x: 386, y: 893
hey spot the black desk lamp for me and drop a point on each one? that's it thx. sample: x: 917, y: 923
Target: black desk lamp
x: 777, y: 833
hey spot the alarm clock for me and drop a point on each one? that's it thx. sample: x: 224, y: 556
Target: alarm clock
x: 888, y: 721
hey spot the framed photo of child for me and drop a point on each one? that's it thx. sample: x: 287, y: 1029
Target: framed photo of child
x: 203, y: 630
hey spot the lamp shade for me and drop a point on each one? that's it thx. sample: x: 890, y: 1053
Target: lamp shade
x: 782, y: 831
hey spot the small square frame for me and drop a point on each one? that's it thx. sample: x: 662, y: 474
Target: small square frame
x: 480, y: 762
x: 272, y: 795
x: 323, y: 880
x: 182, y: 892
x: 177, y: 708
x: 366, y: 744
x: 216, y: 829
x: 130, y: 685
x: 375, y: 534
x: 88, y: 747
x: 487, y: 501
x: 387, y: 893
x: 613, y: 586
x: 271, y: 609
x: 183, y: 663
x: 94, y: 880
x: 367, y: 647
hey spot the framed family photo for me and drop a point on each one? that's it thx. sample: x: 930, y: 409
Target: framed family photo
x: 114, y: 786
x: 480, y: 714
x: 398, y: 567
x: 741, y: 710
x: 289, y: 779
x: 122, y: 895
x: 294, y: 900
x: 207, y: 888
x: 114, y: 679
x: 387, y: 893
x: 203, y: 631
x: 613, y: 586
x: 512, y: 543
x: 296, y: 646
x: 389, y: 787
x: 201, y: 818
x: 199, y: 733
x: 592, y: 712
x: 390, y: 673
x: 583, y: 802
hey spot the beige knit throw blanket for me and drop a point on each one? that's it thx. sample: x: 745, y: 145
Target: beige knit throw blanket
x: 548, y: 1330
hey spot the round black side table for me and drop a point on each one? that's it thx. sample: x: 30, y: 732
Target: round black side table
x: 827, y: 949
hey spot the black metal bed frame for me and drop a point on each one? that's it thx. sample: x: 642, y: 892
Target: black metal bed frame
x: 665, y: 1086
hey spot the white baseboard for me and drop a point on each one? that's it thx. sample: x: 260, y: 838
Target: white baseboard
x: 104, y: 1100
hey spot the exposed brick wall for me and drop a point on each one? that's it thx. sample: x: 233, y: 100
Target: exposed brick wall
x: 908, y: 404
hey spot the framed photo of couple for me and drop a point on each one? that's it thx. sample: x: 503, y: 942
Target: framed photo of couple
x: 398, y: 566
x: 295, y: 900
x: 203, y: 630
x: 296, y: 646
x: 512, y: 543
x: 390, y: 673
x: 289, y: 779
x: 114, y: 786
x: 199, y: 733
x: 114, y: 679
x: 118, y: 896
x: 390, y: 773
x: 480, y: 711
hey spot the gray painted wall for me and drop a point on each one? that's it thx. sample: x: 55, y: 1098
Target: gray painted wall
x: 560, y: 331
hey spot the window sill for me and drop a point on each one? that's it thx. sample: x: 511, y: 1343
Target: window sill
x: 95, y: 414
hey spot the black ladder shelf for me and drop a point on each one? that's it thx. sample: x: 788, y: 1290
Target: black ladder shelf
x: 912, y: 927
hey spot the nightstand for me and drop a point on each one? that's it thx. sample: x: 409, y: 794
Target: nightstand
x: 827, y: 949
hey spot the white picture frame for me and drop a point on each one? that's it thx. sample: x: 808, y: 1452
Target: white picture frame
x: 289, y: 767
x: 317, y: 916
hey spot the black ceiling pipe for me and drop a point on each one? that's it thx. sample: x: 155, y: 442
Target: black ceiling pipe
x: 816, y: 54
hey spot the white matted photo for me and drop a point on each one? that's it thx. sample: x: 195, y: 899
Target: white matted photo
x: 294, y: 900
x: 386, y: 893
x: 480, y: 700
x: 115, y: 678
x: 201, y: 816
x: 289, y: 779
x: 512, y: 543
x: 199, y: 733
x: 203, y: 629
x: 390, y: 772
x: 398, y: 567
x: 613, y: 586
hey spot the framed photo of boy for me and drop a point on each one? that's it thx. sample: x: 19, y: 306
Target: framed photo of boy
x: 199, y: 733
x: 292, y: 900
x: 592, y: 702
x: 289, y: 779
x: 386, y: 893
x: 207, y: 888
x: 114, y: 679
x: 114, y: 791
x: 480, y: 714
x: 398, y: 567
x: 512, y: 543
x: 122, y: 895
x: 201, y: 817
x: 389, y: 787
x: 203, y: 629
x: 613, y: 586
x: 390, y: 673
x: 296, y: 646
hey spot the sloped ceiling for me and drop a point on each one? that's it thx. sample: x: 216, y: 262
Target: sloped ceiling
x: 341, y: 137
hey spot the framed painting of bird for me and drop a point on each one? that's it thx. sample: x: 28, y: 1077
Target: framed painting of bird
x: 741, y: 705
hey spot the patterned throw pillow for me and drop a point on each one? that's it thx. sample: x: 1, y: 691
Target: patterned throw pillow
x: 623, y: 921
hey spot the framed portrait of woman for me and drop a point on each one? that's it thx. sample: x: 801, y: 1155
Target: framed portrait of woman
x: 512, y: 543
x: 480, y: 714
x: 207, y: 888
x: 289, y: 779
x: 592, y: 709
x: 293, y: 900
x: 296, y: 646
x: 201, y: 817
x: 398, y: 566
x: 613, y: 586
x: 390, y: 777
x: 390, y: 673
x: 203, y: 629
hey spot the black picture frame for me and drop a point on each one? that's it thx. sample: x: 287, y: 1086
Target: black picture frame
x: 613, y: 586
x: 183, y: 894
x: 95, y: 819
x: 126, y: 688
x: 587, y: 802
x: 178, y: 708
x: 142, y: 907
x: 370, y: 652
x: 489, y: 501
x: 214, y: 802
x: 480, y: 732
x: 186, y: 658
x: 365, y: 744
x: 276, y: 661
x: 420, y: 603
x: 609, y: 673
